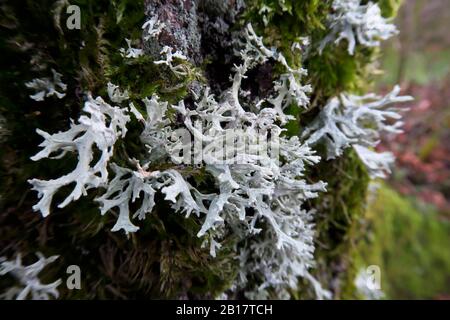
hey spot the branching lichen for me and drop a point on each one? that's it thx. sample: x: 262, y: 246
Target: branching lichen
x: 256, y: 183
x: 357, y: 22
x: 46, y: 87
x: 358, y: 121
x: 101, y: 129
x: 218, y: 153
x: 27, y: 276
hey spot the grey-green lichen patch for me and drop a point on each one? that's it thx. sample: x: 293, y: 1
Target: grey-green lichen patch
x: 193, y: 43
x: 89, y: 59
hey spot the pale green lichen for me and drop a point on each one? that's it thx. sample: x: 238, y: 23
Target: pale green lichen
x: 185, y: 269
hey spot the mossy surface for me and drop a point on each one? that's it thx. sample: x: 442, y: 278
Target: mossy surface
x: 165, y: 259
x: 406, y: 240
x: 338, y: 222
x: 341, y: 209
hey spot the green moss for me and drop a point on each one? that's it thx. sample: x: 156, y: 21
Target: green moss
x: 335, y: 71
x: 330, y: 73
x: 283, y: 24
x: 339, y: 213
x: 166, y: 259
x: 340, y: 210
x: 389, y: 8
x: 406, y: 241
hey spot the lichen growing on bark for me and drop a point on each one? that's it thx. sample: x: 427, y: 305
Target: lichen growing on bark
x: 198, y: 57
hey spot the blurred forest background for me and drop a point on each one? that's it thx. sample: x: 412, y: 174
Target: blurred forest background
x: 408, y: 219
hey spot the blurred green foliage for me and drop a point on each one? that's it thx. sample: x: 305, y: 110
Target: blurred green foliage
x: 421, y: 67
x: 165, y: 260
x: 410, y: 244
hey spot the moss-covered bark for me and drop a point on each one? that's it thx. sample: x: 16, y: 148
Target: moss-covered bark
x: 165, y: 259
